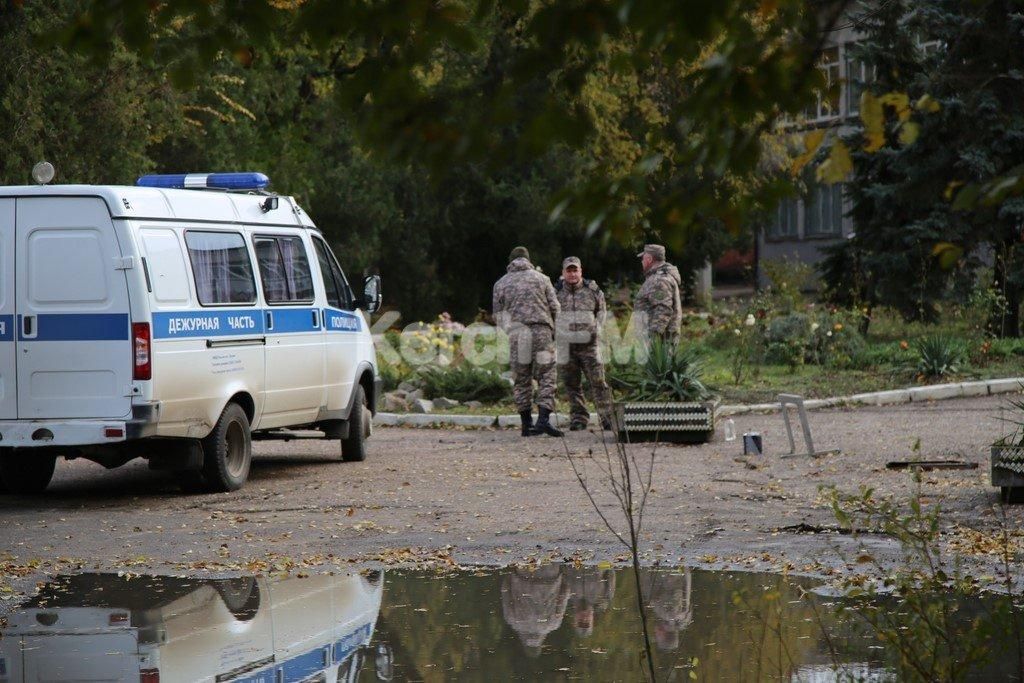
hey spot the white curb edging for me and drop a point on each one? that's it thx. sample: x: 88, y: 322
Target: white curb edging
x: 935, y: 392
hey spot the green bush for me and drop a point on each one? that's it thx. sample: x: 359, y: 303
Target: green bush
x: 939, y: 355
x: 667, y: 375
x: 391, y: 376
x: 464, y: 382
x: 788, y: 337
x: 835, y: 341
x: 1006, y: 348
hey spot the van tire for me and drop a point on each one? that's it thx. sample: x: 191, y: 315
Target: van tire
x: 227, y: 451
x: 240, y: 595
x: 26, y: 474
x: 353, y: 447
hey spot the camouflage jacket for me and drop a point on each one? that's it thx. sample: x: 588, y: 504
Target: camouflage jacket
x: 658, y: 300
x: 524, y: 295
x: 583, y: 311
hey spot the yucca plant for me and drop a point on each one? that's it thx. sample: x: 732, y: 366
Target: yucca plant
x: 668, y: 374
x: 939, y: 355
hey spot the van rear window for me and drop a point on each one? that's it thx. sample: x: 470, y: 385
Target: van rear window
x: 222, y: 267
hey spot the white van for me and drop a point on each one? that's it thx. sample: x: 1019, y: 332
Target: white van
x: 176, y: 325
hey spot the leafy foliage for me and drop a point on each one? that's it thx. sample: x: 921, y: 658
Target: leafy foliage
x: 667, y: 374
x: 443, y: 84
x: 919, y: 610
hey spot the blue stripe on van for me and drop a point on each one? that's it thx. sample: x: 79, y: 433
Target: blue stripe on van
x: 308, y: 663
x: 191, y: 324
x: 342, y: 321
x: 6, y: 328
x: 79, y: 327
x: 250, y: 321
x: 291, y: 320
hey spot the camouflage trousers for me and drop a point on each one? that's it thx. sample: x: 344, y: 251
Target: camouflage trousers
x: 532, y: 356
x: 584, y: 361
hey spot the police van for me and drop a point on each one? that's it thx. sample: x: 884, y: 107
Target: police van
x: 175, y: 320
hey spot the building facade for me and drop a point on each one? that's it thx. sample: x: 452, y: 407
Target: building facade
x: 801, y: 226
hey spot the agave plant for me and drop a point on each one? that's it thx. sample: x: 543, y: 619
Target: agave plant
x: 939, y: 355
x: 668, y: 374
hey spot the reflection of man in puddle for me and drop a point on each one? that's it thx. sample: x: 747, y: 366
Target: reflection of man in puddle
x: 592, y: 592
x: 668, y: 601
x: 533, y: 604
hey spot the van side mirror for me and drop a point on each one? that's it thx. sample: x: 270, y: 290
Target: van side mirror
x: 372, y: 294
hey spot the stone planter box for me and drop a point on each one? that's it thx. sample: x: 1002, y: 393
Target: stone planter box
x: 673, y: 422
x: 1008, y: 472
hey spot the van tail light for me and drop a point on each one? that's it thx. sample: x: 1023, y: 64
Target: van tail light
x: 142, y: 344
x: 149, y: 676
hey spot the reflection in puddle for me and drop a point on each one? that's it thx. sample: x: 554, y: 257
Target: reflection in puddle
x: 553, y: 623
x: 101, y: 627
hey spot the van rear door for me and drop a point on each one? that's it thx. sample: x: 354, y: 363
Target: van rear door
x: 8, y: 372
x: 74, y: 355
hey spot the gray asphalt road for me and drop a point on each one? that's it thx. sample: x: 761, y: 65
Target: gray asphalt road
x: 493, y: 497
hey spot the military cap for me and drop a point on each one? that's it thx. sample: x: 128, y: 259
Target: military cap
x: 571, y: 261
x: 655, y: 250
x: 519, y: 252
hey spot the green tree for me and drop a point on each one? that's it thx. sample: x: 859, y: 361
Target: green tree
x: 901, y: 192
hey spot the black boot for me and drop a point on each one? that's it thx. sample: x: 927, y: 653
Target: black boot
x: 544, y: 425
x: 527, y: 417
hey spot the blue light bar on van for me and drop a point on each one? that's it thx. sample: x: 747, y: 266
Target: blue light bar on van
x: 219, y: 181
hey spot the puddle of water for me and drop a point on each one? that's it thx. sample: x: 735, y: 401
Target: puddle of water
x: 556, y: 623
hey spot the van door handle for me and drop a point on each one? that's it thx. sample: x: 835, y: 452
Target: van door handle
x: 316, y: 319
x: 29, y: 329
x: 270, y: 321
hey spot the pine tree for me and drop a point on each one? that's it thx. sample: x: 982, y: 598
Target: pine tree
x: 900, y: 197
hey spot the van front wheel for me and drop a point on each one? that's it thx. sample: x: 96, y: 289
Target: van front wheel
x: 25, y: 473
x: 227, y: 451
x: 360, y: 423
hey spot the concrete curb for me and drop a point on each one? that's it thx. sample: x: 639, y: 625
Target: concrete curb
x: 935, y: 392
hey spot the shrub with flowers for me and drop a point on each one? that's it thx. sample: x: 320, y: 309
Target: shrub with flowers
x: 434, y: 343
x: 835, y: 340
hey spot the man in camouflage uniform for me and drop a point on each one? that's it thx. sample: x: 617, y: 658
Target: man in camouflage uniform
x: 525, y: 307
x: 657, y: 307
x: 576, y: 337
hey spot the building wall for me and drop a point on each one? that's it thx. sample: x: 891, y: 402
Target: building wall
x: 802, y: 225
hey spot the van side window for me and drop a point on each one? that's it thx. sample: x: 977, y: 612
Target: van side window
x: 338, y: 293
x: 222, y: 269
x: 284, y: 270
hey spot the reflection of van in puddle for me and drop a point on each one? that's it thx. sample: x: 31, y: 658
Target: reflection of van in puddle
x: 101, y: 627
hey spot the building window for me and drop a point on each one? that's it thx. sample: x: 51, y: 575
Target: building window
x: 785, y: 223
x: 827, y: 104
x: 858, y: 76
x: 823, y: 212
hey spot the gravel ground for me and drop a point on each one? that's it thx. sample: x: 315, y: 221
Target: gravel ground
x: 442, y: 497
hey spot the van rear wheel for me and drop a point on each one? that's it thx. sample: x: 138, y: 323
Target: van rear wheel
x: 26, y: 473
x: 360, y: 424
x: 227, y: 451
